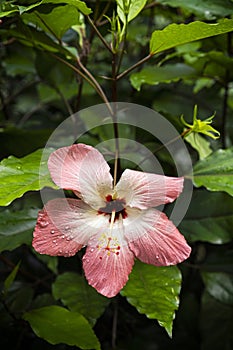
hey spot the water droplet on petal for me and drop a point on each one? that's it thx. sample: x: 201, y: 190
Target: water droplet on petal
x: 54, y: 241
x: 67, y: 228
x: 43, y: 223
x: 52, y: 231
x: 87, y: 260
x: 71, y: 237
x: 63, y: 236
x: 92, y: 250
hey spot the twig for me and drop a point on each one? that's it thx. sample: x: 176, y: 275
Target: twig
x: 99, y: 34
x: 139, y: 63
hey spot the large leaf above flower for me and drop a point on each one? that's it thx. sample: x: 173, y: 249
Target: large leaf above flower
x: 178, y: 34
x: 20, y: 175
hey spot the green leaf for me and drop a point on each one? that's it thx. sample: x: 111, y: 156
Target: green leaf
x: 20, y: 175
x: 8, y: 9
x: 215, y: 172
x: 131, y: 10
x: 164, y: 74
x: 80, y: 5
x: 58, y: 325
x: 56, y: 22
x: 30, y: 36
x: 154, y: 292
x: 77, y: 295
x: 11, y: 277
x: 16, y: 228
x: 200, y: 144
x: 206, y: 220
x: 208, y: 8
x: 178, y: 34
x: 219, y: 285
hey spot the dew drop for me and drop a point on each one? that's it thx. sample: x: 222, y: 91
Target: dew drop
x: 71, y: 237
x: 63, y: 236
x: 92, y: 250
x: 67, y: 228
x: 87, y: 260
x: 52, y: 232
x: 54, y: 241
x: 43, y: 223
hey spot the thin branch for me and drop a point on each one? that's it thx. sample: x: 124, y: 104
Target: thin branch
x: 89, y: 78
x: 139, y: 63
x: 99, y: 34
x: 96, y: 84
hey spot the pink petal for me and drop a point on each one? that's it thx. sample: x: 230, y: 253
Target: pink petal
x: 64, y: 226
x: 83, y: 169
x: 143, y: 190
x: 107, y: 266
x: 154, y: 239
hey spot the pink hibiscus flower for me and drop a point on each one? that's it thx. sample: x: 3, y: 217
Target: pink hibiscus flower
x: 116, y: 224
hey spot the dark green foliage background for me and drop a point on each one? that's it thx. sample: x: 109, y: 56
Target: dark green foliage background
x: 46, y: 302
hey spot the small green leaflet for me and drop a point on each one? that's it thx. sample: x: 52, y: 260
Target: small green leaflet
x: 58, y: 325
x: 178, y: 34
x: 200, y: 144
x: 154, y: 291
x: 20, y: 175
x: 134, y: 8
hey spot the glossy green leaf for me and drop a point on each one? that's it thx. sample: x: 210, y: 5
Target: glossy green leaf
x: 215, y: 172
x: 164, y: 74
x: 133, y: 8
x: 20, y: 175
x: 16, y: 228
x: 75, y: 292
x: 219, y: 285
x: 208, y: 8
x: 58, y: 325
x: 208, y: 221
x: 154, y: 291
x: 178, y: 34
x: 200, y: 144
